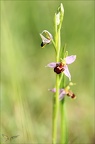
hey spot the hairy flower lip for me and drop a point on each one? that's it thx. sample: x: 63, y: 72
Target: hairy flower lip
x: 59, y: 68
x: 68, y: 60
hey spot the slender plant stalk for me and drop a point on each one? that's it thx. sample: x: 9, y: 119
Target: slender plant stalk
x: 58, y: 82
x: 56, y: 97
x: 63, y: 122
x: 55, y: 111
x: 63, y: 136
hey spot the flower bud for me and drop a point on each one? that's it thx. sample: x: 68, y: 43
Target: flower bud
x: 60, y: 14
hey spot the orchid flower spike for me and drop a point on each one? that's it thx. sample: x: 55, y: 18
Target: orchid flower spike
x: 62, y: 66
x: 46, y: 37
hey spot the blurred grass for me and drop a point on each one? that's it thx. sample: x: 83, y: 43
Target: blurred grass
x: 26, y: 104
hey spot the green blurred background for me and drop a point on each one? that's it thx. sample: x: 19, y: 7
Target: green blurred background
x: 26, y: 104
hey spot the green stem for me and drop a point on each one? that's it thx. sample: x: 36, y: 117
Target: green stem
x: 56, y: 97
x: 63, y: 136
x: 63, y: 122
x: 55, y: 111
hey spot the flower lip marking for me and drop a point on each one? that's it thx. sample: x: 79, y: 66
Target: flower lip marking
x: 59, y: 68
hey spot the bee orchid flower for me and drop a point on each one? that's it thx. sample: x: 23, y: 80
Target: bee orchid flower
x: 63, y: 93
x: 46, y: 37
x: 62, y: 66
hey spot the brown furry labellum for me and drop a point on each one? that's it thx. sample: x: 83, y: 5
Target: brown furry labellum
x: 71, y: 94
x: 59, y: 68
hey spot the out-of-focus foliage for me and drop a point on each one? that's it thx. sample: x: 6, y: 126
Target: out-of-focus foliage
x: 26, y: 104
